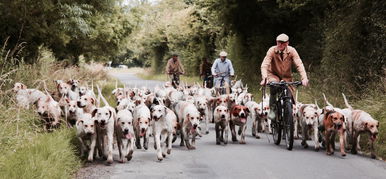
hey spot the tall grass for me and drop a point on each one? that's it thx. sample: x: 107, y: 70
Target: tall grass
x: 27, y: 151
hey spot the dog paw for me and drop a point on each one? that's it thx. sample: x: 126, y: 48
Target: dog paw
x: 122, y: 161
x: 182, y: 144
x: 242, y: 142
x: 373, y: 156
x: 207, y: 132
x: 109, y: 162
x: 129, y: 157
x: 317, y: 149
x: 343, y: 154
x: 169, y: 151
x: 218, y: 143
x: 253, y: 134
x: 329, y: 153
x: 257, y: 137
x: 354, y: 152
x: 234, y: 139
x: 160, y: 158
x: 192, y: 148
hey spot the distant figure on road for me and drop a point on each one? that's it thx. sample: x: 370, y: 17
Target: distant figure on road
x: 221, y: 70
x: 174, y: 69
x: 206, y: 72
x: 277, y: 66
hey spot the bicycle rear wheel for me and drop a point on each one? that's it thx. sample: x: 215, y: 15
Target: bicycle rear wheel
x: 288, y: 124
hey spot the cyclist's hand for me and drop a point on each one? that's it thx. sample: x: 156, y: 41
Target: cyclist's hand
x: 262, y: 83
x: 305, y: 82
x: 232, y: 76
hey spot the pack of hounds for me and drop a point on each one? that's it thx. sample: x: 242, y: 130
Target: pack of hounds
x: 166, y: 113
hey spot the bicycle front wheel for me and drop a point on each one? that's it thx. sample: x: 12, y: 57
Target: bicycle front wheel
x: 288, y: 124
x: 276, y: 129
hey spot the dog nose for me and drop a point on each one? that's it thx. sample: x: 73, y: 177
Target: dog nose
x: 126, y: 131
x: 194, y: 126
x: 223, y: 116
x: 242, y: 115
x: 78, y: 103
x: 103, y: 121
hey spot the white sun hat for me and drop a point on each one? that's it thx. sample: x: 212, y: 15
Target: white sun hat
x: 223, y: 54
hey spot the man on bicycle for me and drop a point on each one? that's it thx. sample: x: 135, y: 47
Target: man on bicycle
x: 205, y: 72
x: 221, y: 69
x: 277, y: 66
x: 174, y: 67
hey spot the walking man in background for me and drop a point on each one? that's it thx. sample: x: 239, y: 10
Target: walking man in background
x: 174, y: 69
x: 221, y: 70
x: 205, y: 73
x: 277, y: 66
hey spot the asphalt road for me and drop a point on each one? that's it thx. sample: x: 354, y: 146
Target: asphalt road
x: 259, y: 158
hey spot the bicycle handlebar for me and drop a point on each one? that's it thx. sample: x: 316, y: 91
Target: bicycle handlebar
x: 283, y: 83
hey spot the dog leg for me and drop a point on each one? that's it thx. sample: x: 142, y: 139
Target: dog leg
x: 169, y: 141
x: 206, y: 122
x: 110, y: 138
x: 138, y: 139
x: 217, y: 127
x: 233, y: 131
x: 327, y: 140
x: 164, y: 138
x: 82, y: 146
x: 92, y: 148
x: 358, y: 142
x: 146, y: 140
x: 158, y: 143
x: 130, y: 149
x: 254, y: 127
x: 182, y: 137
x: 332, y: 142
x: 372, y: 148
x: 354, y: 147
x: 341, y: 141
x: 226, y: 130
x: 296, y: 133
x: 305, y: 136
x: 243, y: 128
x: 316, y: 141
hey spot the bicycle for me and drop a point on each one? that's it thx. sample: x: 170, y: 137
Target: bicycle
x: 176, y: 79
x: 284, y: 119
x: 222, y: 89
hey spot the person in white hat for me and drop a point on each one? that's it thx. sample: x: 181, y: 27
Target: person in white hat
x: 277, y: 66
x: 222, y: 69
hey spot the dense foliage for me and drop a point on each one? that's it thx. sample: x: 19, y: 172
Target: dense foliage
x: 339, y: 41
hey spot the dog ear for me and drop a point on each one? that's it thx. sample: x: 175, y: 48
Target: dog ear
x: 188, y: 116
x: 23, y: 86
x: 165, y: 109
x: 92, y: 101
x: 94, y: 112
x: 246, y: 109
x: 114, y: 91
x: 67, y: 100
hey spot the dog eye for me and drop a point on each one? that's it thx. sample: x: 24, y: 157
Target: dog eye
x: 85, y: 125
x: 129, y: 123
x: 107, y: 114
x: 123, y: 122
x: 146, y: 122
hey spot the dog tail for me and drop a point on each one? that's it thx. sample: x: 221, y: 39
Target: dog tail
x: 346, y: 102
x: 296, y: 95
x: 325, y: 100
x: 116, y: 83
x: 316, y: 103
x: 101, y: 96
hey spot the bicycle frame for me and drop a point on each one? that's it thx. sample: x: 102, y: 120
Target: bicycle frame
x: 284, y: 121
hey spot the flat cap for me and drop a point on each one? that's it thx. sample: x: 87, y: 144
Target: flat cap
x: 282, y: 38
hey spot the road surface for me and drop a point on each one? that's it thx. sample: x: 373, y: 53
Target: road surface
x: 259, y: 158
